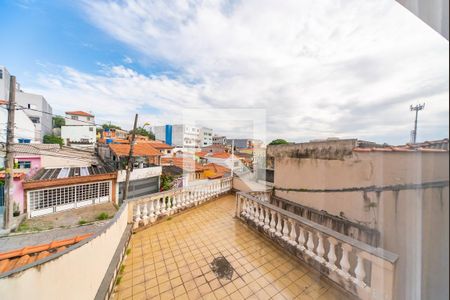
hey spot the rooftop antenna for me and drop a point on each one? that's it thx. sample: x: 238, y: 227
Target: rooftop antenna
x: 416, y: 108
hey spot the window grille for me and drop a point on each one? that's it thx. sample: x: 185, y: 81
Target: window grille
x: 54, y: 197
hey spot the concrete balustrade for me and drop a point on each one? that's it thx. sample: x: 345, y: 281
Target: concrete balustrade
x: 359, y: 268
x: 147, y: 210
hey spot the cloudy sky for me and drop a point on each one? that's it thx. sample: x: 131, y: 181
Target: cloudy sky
x: 315, y: 69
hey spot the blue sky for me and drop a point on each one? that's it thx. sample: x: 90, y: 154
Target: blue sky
x: 318, y: 69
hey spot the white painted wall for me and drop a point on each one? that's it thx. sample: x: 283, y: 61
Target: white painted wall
x: 78, y: 133
x: 40, y: 112
x: 139, y: 173
x: 24, y: 127
x: 80, y: 120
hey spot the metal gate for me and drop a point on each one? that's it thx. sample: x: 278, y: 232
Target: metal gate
x: 140, y: 187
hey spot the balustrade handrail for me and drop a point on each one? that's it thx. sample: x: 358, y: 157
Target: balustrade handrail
x: 376, y: 251
x: 138, y: 200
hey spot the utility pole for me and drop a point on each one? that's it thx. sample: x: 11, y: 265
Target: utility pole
x: 232, y: 157
x: 416, y: 108
x: 130, y: 159
x: 9, y: 159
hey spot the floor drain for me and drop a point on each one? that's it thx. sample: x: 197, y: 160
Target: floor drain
x: 222, y: 268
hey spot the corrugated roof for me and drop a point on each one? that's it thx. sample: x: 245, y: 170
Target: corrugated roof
x: 157, y: 144
x: 58, y: 173
x: 79, y: 113
x: 140, y: 149
x: 18, y: 258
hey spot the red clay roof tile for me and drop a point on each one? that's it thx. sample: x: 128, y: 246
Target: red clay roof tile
x: 140, y: 149
x: 79, y: 113
x: 20, y: 257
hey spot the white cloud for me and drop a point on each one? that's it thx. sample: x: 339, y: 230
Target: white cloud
x: 319, y: 68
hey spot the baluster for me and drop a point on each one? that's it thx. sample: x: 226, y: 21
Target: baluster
x: 244, y: 206
x: 252, y: 210
x: 285, y: 230
x: 310, y: 245
x: 152, y: 211
x: 163, y: 205
x: 174, y: 203
x: 344, y: 263
x: 137, y: 217
x: 279, y: 226
x: 320, y: 249
x: 180, y: 201
x: 359, y: 270
x: 261, y: 215
x: 301, y: 239
x: 266, y: 219
x: 145, y: 214
x: 158, y: 207
x: 256, y: 215
x: 272, y: 221
x: 332, y: 254
x: 293, y: 234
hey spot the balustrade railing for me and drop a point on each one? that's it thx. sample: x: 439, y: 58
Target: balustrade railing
x: 149, y: 209
x: 359, y: 268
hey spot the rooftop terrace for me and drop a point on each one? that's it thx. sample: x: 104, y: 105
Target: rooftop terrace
x: 176, y: 259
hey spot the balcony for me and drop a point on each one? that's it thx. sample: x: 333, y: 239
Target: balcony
x: 201, y: 242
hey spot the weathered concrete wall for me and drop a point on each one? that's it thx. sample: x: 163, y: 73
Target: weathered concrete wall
x: 76, y: 274
x: 412, y: 223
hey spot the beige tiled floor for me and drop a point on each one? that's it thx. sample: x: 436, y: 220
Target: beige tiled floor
x: 171, y: 260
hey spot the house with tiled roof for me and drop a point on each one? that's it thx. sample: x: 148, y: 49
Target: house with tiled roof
x: 79, y: 130
x: 215, y: 171
x: 184, y: 167
x: 146, y: 171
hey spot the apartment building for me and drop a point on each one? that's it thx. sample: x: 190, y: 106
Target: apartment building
x: 34, y: 120
x: 38, y: 110
x: 79, y: 131
x: 206, y: 135
x: 184, y: 136
x: 219, y: 140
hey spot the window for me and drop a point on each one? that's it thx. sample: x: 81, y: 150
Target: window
x: 1, y: 73
x: 88, y: 118
x: 35, y: 120
x: 91, y: 128
x: 74, y: 117
x: 31, y: 106
x: 24, y: 164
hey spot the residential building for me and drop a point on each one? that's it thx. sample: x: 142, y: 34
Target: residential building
x: 214, y: 148
x: 206, y: 135
x: 35, y: 107
x: 52, y: 190
x: 111, y: 134
x: 24, y: 129
x: 38, y: 110
x: 29, y: 159
x: 182, y: 167
x: 4, y: 83
x: 146, y: 172
x: 244, y: 143
x: 80, y: 130
x: 394, y: 198
x: 219, y: 140
x: 183, y: 136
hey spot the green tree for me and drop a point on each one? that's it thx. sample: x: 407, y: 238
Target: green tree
x: 144, y: 132
x: 111, y: 126
x: 58, y: 122
x: 166, y: 182
x: 279, y: 142
x: 52, y: 139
